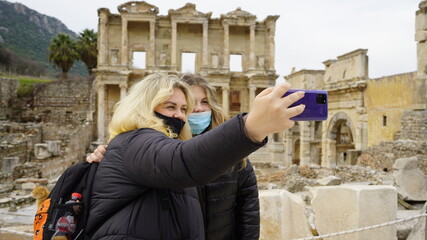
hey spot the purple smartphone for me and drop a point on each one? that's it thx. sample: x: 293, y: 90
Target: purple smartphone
x: 316, y: 105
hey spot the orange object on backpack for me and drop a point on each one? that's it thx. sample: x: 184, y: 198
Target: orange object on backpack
x: 40, y: 219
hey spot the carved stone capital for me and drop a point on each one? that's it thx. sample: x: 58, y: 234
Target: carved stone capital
x: 123, y: 85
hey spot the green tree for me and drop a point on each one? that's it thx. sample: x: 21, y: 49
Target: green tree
x: 87, y: 49
x: 62, y: 52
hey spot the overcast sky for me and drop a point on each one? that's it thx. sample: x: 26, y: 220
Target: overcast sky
x: 308, y: 32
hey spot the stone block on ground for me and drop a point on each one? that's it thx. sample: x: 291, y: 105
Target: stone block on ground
x: 330, y: 181
x: 411, y: 182
x: 342, y: 208
x: 41, y: 151
x: 282, y: 215
x: 9, y: 163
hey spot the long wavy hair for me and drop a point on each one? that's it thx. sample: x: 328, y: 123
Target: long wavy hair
x: 136, y: 110
x: 218, y: 114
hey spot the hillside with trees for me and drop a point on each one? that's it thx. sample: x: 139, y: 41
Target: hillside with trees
x: 25, y: 36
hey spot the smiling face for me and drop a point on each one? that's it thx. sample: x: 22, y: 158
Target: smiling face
x: 175, y: 106
x: 201, y: 100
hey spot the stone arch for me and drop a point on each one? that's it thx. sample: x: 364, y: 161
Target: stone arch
x: 340, y: 137
x: 335, y: 120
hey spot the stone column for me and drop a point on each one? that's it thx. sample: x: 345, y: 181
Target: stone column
x: 123, y: 88
x: 205, y: 44
x: 173, y: 46
x: 103, y: 38
x: 152, y: 54
x: 101, y: 112
x: 420, y: 86
x: 331, y: 154
x: 252, y: 47
x: 225, y: 99
x: 252, y: 91
x: 271, y: 29
x: 361, y: 131
x: 288, y: 148
x: 305, y: 146
x: 226, y: 46
x: 125, y: 54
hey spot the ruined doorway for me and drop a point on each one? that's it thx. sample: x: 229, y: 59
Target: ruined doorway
x: 341, y: 136
x: 344, y: 142
x: 296, y: 155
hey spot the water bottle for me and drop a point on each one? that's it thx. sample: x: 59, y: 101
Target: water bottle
x: 66, y: 224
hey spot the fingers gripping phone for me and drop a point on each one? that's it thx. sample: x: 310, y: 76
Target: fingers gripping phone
x: 316, y: 105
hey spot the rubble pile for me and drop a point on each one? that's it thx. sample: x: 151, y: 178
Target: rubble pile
x: 296, y: 178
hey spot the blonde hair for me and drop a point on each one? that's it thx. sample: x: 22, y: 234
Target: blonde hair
x: 136, y: 110
x: 218, y: 114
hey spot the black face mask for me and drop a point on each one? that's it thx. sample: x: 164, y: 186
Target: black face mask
x: 175, y: 124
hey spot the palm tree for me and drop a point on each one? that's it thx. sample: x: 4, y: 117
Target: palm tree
x: 86, y: 46
x: 62, y: 52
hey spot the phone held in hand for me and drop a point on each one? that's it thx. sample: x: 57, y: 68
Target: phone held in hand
x: 316, y: 105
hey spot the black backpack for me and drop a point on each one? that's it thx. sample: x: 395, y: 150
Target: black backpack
x: 76, y: 179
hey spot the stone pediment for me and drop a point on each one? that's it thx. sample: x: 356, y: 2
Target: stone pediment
x: 239, y: 13
x: 139, y: 7
x: 188, y: 11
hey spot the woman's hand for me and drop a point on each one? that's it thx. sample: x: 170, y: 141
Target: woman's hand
x: 97, y: 155
x: 270, y: 112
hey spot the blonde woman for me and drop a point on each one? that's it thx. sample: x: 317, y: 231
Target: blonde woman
x: 145, y: 186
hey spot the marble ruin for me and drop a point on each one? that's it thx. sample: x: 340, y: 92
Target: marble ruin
x: 138, y: 41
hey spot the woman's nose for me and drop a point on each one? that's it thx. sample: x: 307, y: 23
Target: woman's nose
x: 179, y: 115
x: 198, y: 108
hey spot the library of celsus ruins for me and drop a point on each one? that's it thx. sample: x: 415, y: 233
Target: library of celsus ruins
x: 235, y: 52
x: 138, y: 42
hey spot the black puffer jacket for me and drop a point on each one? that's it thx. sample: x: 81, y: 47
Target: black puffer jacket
x: 126, y: 201
x: 230, y: 205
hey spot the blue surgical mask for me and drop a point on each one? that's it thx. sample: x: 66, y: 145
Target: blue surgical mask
x: 199, y: 122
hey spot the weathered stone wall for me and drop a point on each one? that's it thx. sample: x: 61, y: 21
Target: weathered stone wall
x: 410, y: 141
x: 414, y: 126
x: 386, y: 99
x: 386, y: 153
x: 64, y: 111
x: 74, y: 143
x: 17, y: 140
x: 8, y: 92
x: 64, y: 102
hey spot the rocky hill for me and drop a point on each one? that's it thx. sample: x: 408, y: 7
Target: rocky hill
x: 27, y: 33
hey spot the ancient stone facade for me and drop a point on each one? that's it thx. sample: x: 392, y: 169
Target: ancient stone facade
x: 375, y: 116
x: 138, y: 41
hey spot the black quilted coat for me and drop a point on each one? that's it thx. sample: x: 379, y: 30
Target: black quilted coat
x: 128, y: 201
x: 230, y: 205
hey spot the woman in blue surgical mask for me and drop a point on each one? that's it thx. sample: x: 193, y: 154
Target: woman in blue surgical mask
x: 230, y: 203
